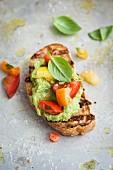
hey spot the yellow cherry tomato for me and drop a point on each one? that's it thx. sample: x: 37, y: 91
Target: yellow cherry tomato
x: 44, y: 72
x: 80, y: 53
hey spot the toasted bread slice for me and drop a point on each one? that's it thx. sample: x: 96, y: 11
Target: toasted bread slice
x: 81, y: 122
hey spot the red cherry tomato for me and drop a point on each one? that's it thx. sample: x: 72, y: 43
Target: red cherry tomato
x: 55, y: 87
x: 50, y: 107
x: 47, y: 58
x: 54, y: 137
x: 75, y: 86
x: 11, y: 84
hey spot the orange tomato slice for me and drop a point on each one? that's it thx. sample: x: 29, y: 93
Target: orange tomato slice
x: 3, y: 66
x: 9, y: 69
x: 63, y: 96
x: 15, y: 71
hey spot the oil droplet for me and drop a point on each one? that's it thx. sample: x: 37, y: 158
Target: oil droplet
x: 22, y: 161
x: 88, y: 5
x: 4, y: 11
x: 102, y: 54
x: 20, y: 52
x: 106, y: 130
x: 89, y: 165
x: 110, y: 58
x: 17, y: 167
x: 110, y: 167
x: 110, y: 151
x: 1, y: 155
x: 9, y: 27
x: 74, y: 39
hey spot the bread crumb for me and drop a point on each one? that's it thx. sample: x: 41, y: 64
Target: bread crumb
x: 106, y: 130
x: 41, y: 35
x: 28, y: 161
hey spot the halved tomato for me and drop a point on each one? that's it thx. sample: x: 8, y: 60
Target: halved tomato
x: 74, y: 85
x: 63, y: 96
x: 50, y: 107
x: 11, y: 84
x: 9, y: 69
x: 54, y: 137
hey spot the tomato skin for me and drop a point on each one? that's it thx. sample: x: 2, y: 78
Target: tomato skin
x: 4, y: 68
x: 11, y: 84
x: 55, y: 87
x: 50, y: 107
x: 75, y: 86
x: 54, y: 137
x: 15, y: 71
x: 47, y: 58
x: 81, y: 53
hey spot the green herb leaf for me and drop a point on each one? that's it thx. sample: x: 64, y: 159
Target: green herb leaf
x: 60, y: 69
x: 48, y: 107
x: 46, y: 90
x: 8, y: 66
x: 66, y: 25
x: 101, y: 34
x: 61, y: 82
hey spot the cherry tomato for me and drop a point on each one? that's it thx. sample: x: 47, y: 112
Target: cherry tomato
x: 55, y: 87
x: 9, y: 69
x: 75, y: 86
x: 63, y: 96
x: 50, y: 107
x: 54, y: 137
x: 11, y: 84
x: 47, y: 58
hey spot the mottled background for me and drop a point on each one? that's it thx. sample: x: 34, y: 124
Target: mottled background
x: 25, y: 27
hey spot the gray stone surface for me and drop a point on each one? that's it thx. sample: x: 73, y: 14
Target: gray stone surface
x: 24, y: 135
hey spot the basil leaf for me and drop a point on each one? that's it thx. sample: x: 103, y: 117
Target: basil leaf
x: 46, y: 90
x: 47, y: 107
x: 8, y: 66
x: 101, y: 34
x: 66, y: 25
x: 60, y: 69
x: 61, y: 82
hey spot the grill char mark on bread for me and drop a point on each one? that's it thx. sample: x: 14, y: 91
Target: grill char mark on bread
x: 55, y: 50
x: 27, y: 79
x: 81, y: 122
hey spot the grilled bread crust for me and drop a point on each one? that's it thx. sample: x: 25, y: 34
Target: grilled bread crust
x: 81, y: 122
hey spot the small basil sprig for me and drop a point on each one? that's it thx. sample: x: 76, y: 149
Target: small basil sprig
x: 66, y: 25
x: 101, y: 33
x: 60, y: 69
x: 9, y: 66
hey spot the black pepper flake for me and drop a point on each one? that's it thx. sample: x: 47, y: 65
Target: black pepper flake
x: 95, y: 102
